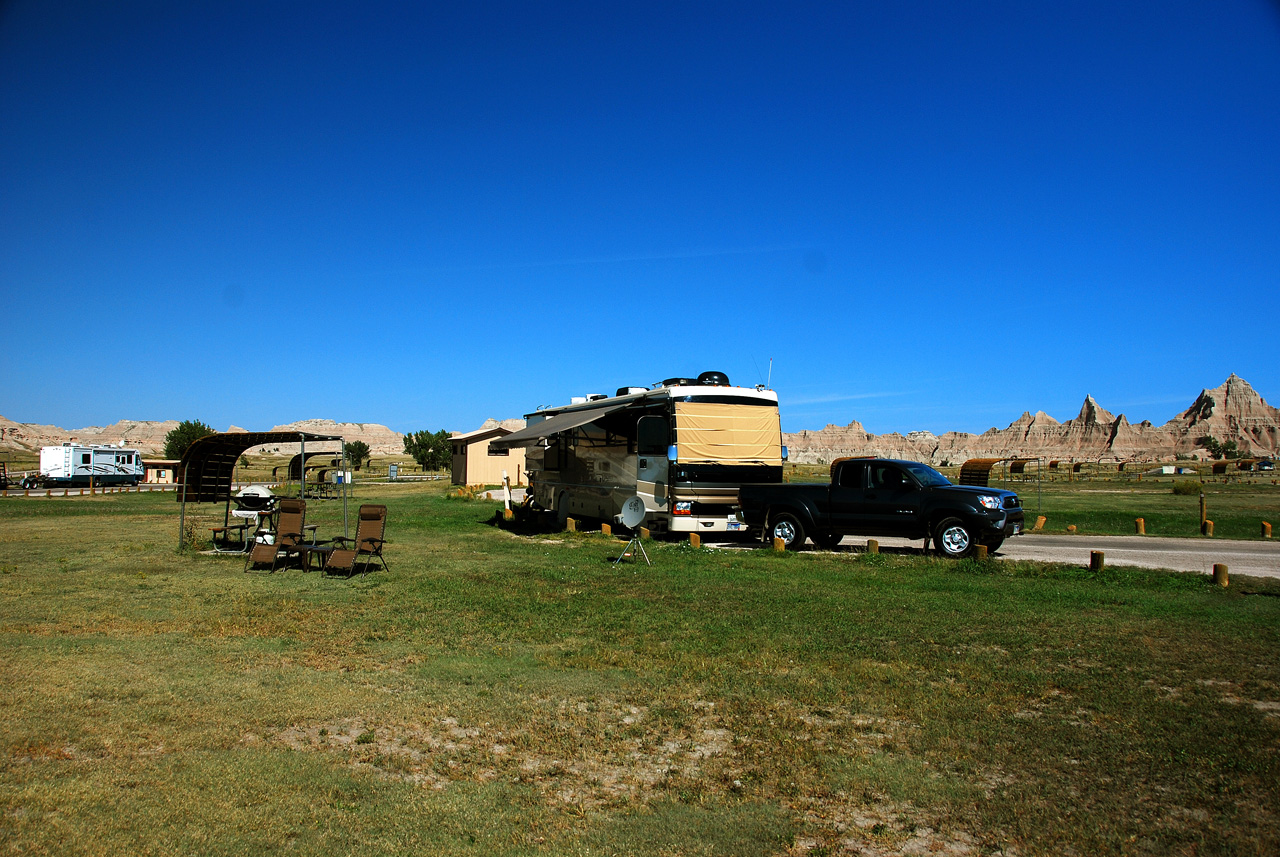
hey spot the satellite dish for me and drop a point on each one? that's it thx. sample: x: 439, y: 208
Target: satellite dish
x: 633, y: 512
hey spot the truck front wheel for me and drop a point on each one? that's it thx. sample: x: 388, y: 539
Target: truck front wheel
x: 787, y: 527
x: 953, y: 538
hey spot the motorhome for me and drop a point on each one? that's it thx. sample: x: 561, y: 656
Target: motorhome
x: 683, y: 446
x: 72, y: 464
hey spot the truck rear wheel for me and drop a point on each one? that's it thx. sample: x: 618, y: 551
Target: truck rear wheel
x: 952, y: 538
x: 787, y: 527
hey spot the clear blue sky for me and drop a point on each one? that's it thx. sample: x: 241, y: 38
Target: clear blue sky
x: 929, y: 215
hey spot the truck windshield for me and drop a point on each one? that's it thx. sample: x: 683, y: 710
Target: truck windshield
x: 926, y: 475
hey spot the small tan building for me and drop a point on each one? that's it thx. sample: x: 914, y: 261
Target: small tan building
x: 159, y: 471
x: 473, y: 465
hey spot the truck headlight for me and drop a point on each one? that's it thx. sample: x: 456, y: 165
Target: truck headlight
x: 683, y: 508
x: 989, y: 501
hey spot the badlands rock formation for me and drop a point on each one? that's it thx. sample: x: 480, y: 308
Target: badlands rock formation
x: 1232, y: 411
x: 148, y: 435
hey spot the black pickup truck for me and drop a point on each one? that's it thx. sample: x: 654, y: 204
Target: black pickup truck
x: 883, y: 497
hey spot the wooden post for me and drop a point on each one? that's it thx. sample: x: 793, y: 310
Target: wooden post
x: 1140, y: 526
x: 779, y: 545
x: 571, y: 525
x: 1220, y: 574
x: 507, y: 514
x: 1097, y: 560
x: 1071, y: 528
x: 695, y: 540
x: 873, y: 546
x: 606, y: 529
x: 1207, y: 528
x: 1266, y: 530
x: 644, y: 533
x: 980, y: 553
x: 1039, y: 524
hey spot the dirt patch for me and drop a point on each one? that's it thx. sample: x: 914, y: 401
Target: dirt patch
x: 585, y: 755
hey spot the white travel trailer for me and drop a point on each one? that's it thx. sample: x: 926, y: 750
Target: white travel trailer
x: 71, y: 464
x: 683, y: 446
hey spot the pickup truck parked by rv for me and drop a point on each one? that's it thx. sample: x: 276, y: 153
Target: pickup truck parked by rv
x: 883, y: 497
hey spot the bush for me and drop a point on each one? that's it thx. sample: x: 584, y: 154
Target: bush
x: 1189, y: 488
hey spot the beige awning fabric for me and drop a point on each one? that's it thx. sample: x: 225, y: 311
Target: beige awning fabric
x: 560, y: 422
x: 716, y: 433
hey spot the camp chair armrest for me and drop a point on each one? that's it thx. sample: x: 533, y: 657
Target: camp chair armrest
x: 341, y: 539
x: 372, y: 541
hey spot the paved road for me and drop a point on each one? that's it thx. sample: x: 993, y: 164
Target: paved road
x: 1258, y: 559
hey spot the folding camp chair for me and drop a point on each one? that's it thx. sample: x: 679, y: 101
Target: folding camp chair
x: 367, y: 544
x: 270, y: 547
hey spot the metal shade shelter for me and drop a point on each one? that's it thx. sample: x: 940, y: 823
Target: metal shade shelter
x: 296, y: 467
x: 204, y: 473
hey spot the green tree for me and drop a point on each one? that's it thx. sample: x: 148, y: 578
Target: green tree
x: 357, y: 453
x: 432, y: 450
x: 1218, y: 449
x: 186, y: 433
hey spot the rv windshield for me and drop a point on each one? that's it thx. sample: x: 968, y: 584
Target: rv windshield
x: 926, y: 475
x: 723, y: 433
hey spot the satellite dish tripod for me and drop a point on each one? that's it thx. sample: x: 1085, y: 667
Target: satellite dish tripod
x: 633, y: 512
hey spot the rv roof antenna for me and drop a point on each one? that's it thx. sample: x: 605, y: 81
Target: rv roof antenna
x: 770, y: 378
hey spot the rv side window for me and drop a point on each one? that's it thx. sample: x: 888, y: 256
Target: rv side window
x: 84, y: 458
x: 652, y: 437
x: 552, y: 456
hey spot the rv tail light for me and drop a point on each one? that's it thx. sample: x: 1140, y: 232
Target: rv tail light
x: 685, y: 508
x: 671, y: 452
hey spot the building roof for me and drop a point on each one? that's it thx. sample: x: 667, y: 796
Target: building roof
x: 481, y: 434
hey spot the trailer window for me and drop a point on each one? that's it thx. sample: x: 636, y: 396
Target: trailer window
x: 85, y: 457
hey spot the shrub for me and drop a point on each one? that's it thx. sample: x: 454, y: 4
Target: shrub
x: 1188, y: 489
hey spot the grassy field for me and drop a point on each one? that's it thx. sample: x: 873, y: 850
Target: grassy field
x: 516, y: 694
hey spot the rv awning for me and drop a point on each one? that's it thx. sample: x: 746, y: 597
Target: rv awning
x: 560, y: 422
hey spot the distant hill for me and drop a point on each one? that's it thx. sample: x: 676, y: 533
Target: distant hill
x: 148, y: 435
x: 1232, y: 411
